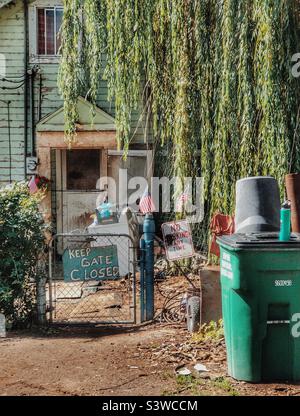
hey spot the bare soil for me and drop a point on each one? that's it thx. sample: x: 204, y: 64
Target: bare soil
x: 140, y: 360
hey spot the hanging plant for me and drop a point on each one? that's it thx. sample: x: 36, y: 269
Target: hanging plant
x: 213, y: 78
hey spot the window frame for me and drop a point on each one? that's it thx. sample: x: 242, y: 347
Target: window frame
x: 47, y: 9
x: 34, y: 57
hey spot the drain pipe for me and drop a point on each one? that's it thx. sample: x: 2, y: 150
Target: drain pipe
x: 142, y: 278
x: 9, y: 138
x: 25, y: 6
x: 32, y: 112
x: 40, y: 97
x: 149, y: 234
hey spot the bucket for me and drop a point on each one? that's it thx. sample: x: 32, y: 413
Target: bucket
x: 257, y: 205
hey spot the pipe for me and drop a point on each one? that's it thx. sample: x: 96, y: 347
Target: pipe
x: 40, y: 98
x: 149, y: 233
x: 9, y: 139
x: 25, y: 7
x: 31, y: 85
x: 142, y: 278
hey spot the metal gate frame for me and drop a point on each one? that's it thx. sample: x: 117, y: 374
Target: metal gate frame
x: 134, y: 264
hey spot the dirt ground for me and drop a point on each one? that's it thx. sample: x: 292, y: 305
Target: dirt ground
x: 141, y: 360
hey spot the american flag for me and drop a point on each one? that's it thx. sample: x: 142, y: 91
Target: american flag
x: 32, y: 185
x: 181, y: 201
x: 146, y: 204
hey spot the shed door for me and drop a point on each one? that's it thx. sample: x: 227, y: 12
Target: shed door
x: 78, y: 174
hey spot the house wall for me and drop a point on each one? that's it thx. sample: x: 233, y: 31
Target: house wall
x: 12, y: 47
x: 12, y: 34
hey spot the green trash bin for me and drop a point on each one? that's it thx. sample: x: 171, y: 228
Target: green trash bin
x: 260, y: 281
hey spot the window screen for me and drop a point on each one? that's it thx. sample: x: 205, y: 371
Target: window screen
x: 49, y: 21
x: 83, y: 169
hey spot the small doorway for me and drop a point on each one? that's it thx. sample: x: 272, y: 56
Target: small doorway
x: 77, y: 174
x: 77, y: 177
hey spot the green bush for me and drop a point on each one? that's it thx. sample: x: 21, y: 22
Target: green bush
x: 22, y: 242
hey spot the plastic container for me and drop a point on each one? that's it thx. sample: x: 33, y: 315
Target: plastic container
x: 285, y: 221
x: 260, y: 282
x: 257, y: 205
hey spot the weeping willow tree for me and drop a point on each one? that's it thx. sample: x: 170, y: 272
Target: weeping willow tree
x: 214, y: 78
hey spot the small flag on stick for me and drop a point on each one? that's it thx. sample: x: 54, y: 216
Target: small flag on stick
x: 146, y: 205
x: 181, y: 201
x: 32, y: 185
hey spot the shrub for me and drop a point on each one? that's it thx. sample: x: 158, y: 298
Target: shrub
x: 210, y: 331
x: 21, y: 245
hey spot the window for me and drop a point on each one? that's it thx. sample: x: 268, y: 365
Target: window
x: 49, y: 20
x: 83, y: 169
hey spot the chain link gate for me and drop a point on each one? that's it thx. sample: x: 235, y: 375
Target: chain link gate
x: 92, y: 279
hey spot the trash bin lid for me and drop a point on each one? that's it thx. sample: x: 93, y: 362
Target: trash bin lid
x: 259, y: 240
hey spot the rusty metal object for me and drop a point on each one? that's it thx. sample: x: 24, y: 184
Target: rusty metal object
x: 292, y: 184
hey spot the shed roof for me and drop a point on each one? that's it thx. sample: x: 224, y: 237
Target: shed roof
x: 4, y: 2
x: 56, y: 121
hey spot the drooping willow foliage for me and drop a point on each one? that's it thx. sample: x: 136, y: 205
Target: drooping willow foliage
x: 214, y: 78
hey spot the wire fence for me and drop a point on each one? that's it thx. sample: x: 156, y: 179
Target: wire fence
x: 92, y: 279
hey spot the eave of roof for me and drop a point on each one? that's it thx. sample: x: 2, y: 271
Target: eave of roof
x: 4, y: 2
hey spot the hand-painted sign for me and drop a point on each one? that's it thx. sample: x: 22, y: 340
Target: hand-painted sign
x: 178, y: 240
x: 92, y: 263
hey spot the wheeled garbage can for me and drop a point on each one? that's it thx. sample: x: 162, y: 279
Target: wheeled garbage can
x: 260, y: 281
